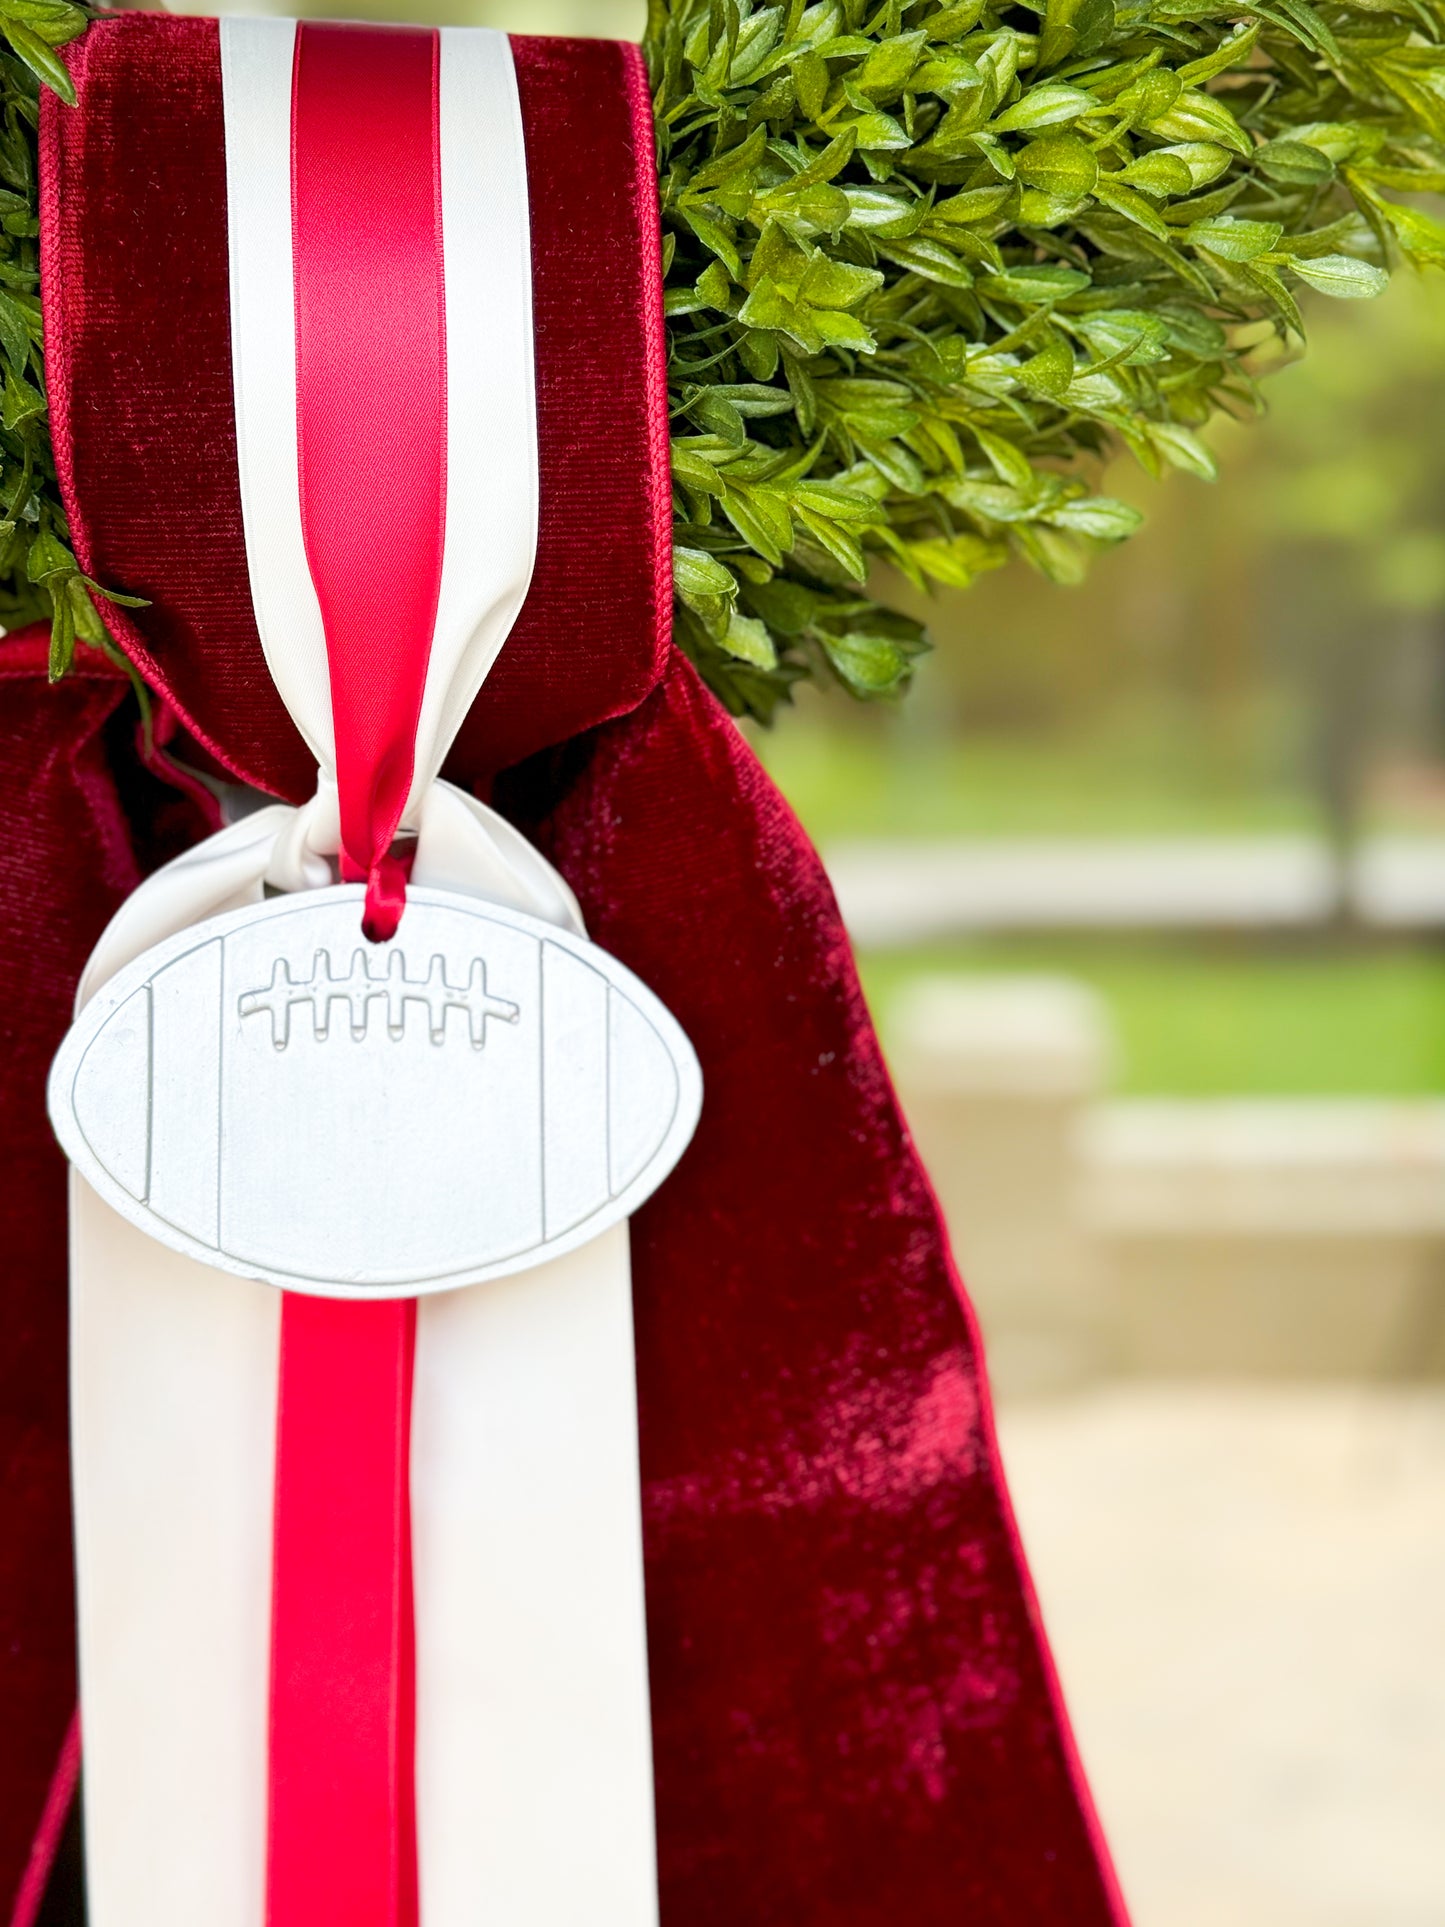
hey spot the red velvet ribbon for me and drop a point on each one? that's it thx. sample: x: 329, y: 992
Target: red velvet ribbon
x: 371, y: 421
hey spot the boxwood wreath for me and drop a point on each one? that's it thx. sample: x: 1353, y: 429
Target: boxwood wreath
x: 928, y: 262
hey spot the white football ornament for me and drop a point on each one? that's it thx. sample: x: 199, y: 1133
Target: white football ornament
x: 271, y: 1094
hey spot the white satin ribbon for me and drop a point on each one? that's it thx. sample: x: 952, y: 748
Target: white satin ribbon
x: 491, y: 444
x: 534, y: 1780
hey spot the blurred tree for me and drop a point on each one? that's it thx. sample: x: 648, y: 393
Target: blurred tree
x: 1348, y: 496
x: 1270, y: 651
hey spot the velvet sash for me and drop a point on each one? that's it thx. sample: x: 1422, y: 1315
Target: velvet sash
x: 855, y: 1716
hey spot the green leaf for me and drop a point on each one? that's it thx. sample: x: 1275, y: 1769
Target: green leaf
x: 838, y: 330
x: 1205, y: 161
x: 1337, y: 140
x: 838, y: 284
x: 884, y: 73
x: 1053, y: 553
x: 755, y: 400
x: 696, y: 574
x: 1009, y: 463
x: 1046, y: 106
x: 54, y: 20
x: 1038, y: 210
x: 62, y: 637
x: 113, y: 595
x: 679, y: 301
x: 714, y: 413
x: 1194, y: 333
x: 1200, y: 117
x: 715, y: 237
x: 1418, y: 233
x: 1128, y: 334
x: 1231, y: 50
x: 761, y: 518
x: 869, y: 665
x: 732, y: 164
x: 1148, y: 98
x: 1133, y: 206
x: 870, y: 407
x: 975, y: 204
x: 1050, y: 371
x: 1072, y: 27
x: 956, y: 562
x: 1294, y: 164
x: 1342, y: 276
x: 40, y: 58
x: 1181, y: 448
x: 896, y: 464
x: 949, y: 75
x: 48, y: 558
x: 1265, y: 277
x: 695, y: 471
x: 758, y: 354
x: 748, y: 640
x: 874, y: 207
x: 825, y: 166
x: 836, y: 542
x: 1160, y: 173
x: 843, y: 504
x: 768, y: 307
x: 14, y: 332
x: 951, y: 22
x: 930, y: 259
x: 1034, y: 285
x: 714, y: 285
x: 1232, y: 239
x: 1298, y: 18
x: 84, y: 614
x: 1062, y: 165
x: 1097, y: 516
x: 880, y: 132
x: 757, y: 37
x: 787, y: 607
x: 810, y: 84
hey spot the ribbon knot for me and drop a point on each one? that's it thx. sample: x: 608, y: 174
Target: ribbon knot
x: 385, y: 881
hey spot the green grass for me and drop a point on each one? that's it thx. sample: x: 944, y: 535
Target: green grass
x: 899, y: 782
x: 1192, y: 1015
x: 1198, y: 1020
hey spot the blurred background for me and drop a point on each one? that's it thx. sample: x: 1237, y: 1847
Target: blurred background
x: 1147, y: 879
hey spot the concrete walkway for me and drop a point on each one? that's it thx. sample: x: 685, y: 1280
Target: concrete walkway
x: 895, y: 892
x: 1244, y: 1588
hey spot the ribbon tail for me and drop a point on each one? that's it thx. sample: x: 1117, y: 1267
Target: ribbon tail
x: 342, y: 1823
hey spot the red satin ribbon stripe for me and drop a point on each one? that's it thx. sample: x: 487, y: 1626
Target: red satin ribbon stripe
x: 341, y: 1806
x: 371, y: 406
x: 371, y: 438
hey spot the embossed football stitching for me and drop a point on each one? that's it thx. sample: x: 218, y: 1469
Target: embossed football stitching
x: 359, y: 987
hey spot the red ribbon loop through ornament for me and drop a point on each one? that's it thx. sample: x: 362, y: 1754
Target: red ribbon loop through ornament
x: 371, y: 408
x: 371, y: 442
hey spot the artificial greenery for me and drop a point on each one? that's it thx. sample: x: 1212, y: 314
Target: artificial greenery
x: 927, y: 262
